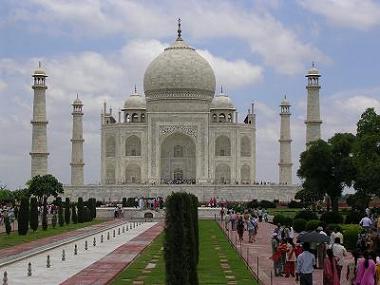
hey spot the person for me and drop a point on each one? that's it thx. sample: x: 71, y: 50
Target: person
x: 330, y: 272
x: 282, y: 249
x: 321, y: 249
x: 290, y: 259
x: 221, y: 214
x: 297, y: 250
x: 252, y: 229
x: 366, y: 223
x: 377, y: 271
x: 240, y: 228
x: 275, y: 255
x: 305, y: 265
x: 350, y: 272
x: 339, y: 252
x: 366, y: 270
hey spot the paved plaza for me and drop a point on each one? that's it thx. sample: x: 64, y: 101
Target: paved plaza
x: 115, y: 247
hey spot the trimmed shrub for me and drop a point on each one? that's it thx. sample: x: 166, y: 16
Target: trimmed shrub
x: 253, y: 204
x: 279, y: 219
x: 67, y: 211
x: 80, y: 210
x: 124, y: 202
x: 288, y: 221
x: 307, y: 215
x: 44, y: 215
x: 195, y: 203
x: 86, y: 214
x: 54, y: 220
x: 61, y: 220
x: 267, y: 204
x: 299, y: 225
x: 33, y: 214
x: 354, y: 217
x: 331, y: 218
x: 23, y: 217
x: 180, y: 244
x: 312, y: 225
x: 8, y: 227
x: 350, y: 236
x: 294, y: 204
x: 74, y: 215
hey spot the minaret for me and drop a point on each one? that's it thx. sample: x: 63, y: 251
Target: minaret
x: 77, y: 140
x: 313, y: 120
x: 39, y: 154
x: 285, y: 164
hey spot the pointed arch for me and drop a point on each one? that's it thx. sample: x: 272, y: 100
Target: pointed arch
x: 245, y: 174
x: 223, y: 174
x: 222, y: 146
x: 133, y: 174
x: 133, y: 146
x: 110, y: 173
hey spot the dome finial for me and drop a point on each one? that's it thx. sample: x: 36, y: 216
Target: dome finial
x: 135, y: 89
x: 221, y: 89
x: 312, y: 64
x: 39, y: 64
x: 179, y: 30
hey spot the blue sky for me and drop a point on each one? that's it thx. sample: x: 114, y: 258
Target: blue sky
x: 260, y: 50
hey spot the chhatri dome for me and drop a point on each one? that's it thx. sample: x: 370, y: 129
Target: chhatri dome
x: 313, y: 71
x: 135, y: 102
x: 222, y: 102
x: 179, y: 72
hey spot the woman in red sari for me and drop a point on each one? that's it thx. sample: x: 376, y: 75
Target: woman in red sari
x: 330, y: 273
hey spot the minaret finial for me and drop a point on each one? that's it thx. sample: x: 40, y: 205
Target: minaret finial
x: 285, y: 97
x: 179, y: 30
x: 221, y: 89
x: 39, y: 64
x: 135, y: 89
x: 77, y: 96
x: 312, y: 64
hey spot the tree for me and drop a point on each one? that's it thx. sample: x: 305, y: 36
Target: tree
x: 34, y: 214
x: 7, y: 223
x: 44, y: 186
x: 308, y: 196
x: 67, y: 211
x: 6, y: 196
x: 80, y: 210
x: 23, y: 217
x: 44, y: 215
x: 61, y: 221
x: 74, y: 215
x: 327, y: 167
x: 366, y: 153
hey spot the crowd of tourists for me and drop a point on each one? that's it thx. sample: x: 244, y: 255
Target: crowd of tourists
x: 291, y: 258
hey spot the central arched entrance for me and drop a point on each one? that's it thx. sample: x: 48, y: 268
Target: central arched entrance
x: 178, y: 163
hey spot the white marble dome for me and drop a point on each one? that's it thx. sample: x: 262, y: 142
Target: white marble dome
x: 313, y: 71
x: 222, y: 102
x: 135, y: 102
x: 179, y: 72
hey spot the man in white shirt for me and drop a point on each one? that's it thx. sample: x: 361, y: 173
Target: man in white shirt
x: 339, y: 252
x: 366, y: 223
x: 305, y: 265
x: 336, y: 233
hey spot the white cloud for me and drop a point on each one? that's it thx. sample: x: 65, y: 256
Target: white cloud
x: 278, y: 46
x: 357, y: 14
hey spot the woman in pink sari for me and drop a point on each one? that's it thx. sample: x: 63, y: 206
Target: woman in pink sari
x: 366, y: 270
x: 330, y: 272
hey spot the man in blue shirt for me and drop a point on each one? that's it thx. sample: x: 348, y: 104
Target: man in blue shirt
x: 305, y: 265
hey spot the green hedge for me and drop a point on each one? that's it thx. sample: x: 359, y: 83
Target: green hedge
x: 350, y: 235
x: 312, y: 225
x: 331, y: 218
x: 307, y: 215
x: 299, y: 225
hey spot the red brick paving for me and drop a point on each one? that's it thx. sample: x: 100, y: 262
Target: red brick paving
x: 262, y: 250
x: 106, y: 269
x: 18, y: 249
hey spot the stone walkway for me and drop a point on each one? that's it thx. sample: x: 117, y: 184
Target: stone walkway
x: 258, y: 256
x: 60, y: 263
x: 106, y: 269
x: 30, y: 247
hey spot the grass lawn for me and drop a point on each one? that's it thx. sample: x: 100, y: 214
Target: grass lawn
x: 284, y: 211
x: 14, y: 238
x: 212, y: 244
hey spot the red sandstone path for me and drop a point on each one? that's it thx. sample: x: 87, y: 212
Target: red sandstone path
x: 259, y: 253
x: 106, y: 269
x: 34, y: 245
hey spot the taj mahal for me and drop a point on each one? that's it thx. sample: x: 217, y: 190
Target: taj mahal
x: 179, y: 134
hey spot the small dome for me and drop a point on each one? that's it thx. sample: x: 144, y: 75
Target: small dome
x: 179, y: 72
x: 222, y: 102
x: 39, y: 71
x: 313, y: 71
x: 135, y: 102
x: 285, y: 102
